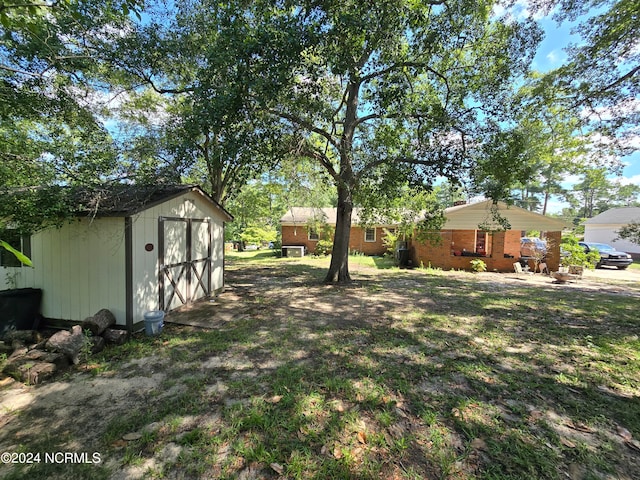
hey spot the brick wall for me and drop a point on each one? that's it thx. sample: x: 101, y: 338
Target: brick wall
x: 498, y: 245
x: 441, y: 255
x: 357, y: 241
x: 298, y: 236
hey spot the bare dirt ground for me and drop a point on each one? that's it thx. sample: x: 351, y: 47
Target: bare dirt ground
x: 77, y: 406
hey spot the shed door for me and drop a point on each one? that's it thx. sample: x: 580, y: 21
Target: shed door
x: 185, y: 261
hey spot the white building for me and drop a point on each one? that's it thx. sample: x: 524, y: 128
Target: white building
x: 602, y: 228
x: 137, y: 249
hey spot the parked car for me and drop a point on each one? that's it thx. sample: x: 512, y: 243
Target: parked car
x: 609, y: 256
x: 529, y: 246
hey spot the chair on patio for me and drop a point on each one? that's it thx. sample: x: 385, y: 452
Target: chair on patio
x: 518, y: 268
x: 577, y: 271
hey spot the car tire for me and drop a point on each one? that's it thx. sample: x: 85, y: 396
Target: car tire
x: 622, y: 267
x: 598, y: 265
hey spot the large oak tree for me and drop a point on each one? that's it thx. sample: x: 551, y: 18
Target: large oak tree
x: 378, y: 93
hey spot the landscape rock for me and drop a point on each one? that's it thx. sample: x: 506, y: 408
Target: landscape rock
x: 6, y: 349
x: 99, y: 322
x: 24, y: 336
x: 70, y: 343
x: 115, y: 336
x: 34, y: 366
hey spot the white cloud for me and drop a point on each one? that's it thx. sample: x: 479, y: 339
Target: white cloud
x: 570, y: 180
x: 555, y: 206
x: 520, y: 10
x: 552, y: 56
x: 634, y: 180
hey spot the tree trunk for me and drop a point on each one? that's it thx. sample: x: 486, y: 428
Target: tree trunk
x: 339, y: 268
x: 546, y: 202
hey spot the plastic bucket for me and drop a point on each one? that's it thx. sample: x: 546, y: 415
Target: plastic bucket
x: 153, y: 322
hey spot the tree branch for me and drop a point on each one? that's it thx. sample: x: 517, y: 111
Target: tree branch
x: 618, y: 81
x: 306, y: 125
x: 304, y: 149
x: 401, y: 65
x: 21, y: 72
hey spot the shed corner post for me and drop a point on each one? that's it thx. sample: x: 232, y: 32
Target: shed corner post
x: 161, y: 263
x: 128, y: 242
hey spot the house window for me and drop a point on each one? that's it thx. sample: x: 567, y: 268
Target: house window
x: 22, y: 243
x: 313, y: 234
x: 370, y: 235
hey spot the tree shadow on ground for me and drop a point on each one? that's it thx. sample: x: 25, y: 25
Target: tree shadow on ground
x: 408, y: 375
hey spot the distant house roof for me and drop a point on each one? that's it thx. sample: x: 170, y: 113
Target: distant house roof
x: 470, y: 216
x: 303, y: 215
x: 460, y: 217
x: 616, y: 216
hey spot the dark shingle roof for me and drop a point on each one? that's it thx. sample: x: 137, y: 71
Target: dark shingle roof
x: 122, y: 199
x: 109, y: 200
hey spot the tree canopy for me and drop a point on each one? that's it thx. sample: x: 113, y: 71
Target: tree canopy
x: 374, y: 93
x: 384, y: 97
x: 50, y: 80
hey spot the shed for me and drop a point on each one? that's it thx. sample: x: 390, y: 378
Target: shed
x: 130, y: 249
x: 603, y: 228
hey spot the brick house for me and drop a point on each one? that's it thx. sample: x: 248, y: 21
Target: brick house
x: 303, y: 226
x: 469, y: 232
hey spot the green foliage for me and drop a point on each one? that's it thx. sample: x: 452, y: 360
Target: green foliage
x: 321, y: 228
x: 390, y: 240
x: 478, y: 265
x: 19, y: 255
x: 416, y: 211
x: 494, y: 222
x: 574, y: 254
x: 324, y: 248
x: 254, y: 235
x: 630, y: 232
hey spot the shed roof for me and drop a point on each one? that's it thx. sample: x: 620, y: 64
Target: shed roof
x: 126, y: 199
x: 616, y: 216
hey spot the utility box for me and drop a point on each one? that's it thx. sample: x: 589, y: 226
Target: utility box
x: 293, y: 251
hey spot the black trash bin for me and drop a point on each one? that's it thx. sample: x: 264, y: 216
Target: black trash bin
x: 403, y: 257
x: 19, y: 309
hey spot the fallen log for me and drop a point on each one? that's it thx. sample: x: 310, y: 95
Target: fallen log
x: 99, y: 322
x: 115, y: 336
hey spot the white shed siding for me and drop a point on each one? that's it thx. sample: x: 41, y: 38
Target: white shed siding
x: 200, y: 239
x: 16, y: 277
x: 79, y: 267
x: 217, y: 256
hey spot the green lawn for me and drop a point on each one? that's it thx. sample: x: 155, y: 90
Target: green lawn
x: 404, y: 374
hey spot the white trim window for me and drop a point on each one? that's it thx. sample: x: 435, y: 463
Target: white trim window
x: 370, y: 235
x: 313, y: 234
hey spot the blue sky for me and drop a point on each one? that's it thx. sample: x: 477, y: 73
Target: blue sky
x: 551, y: 55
